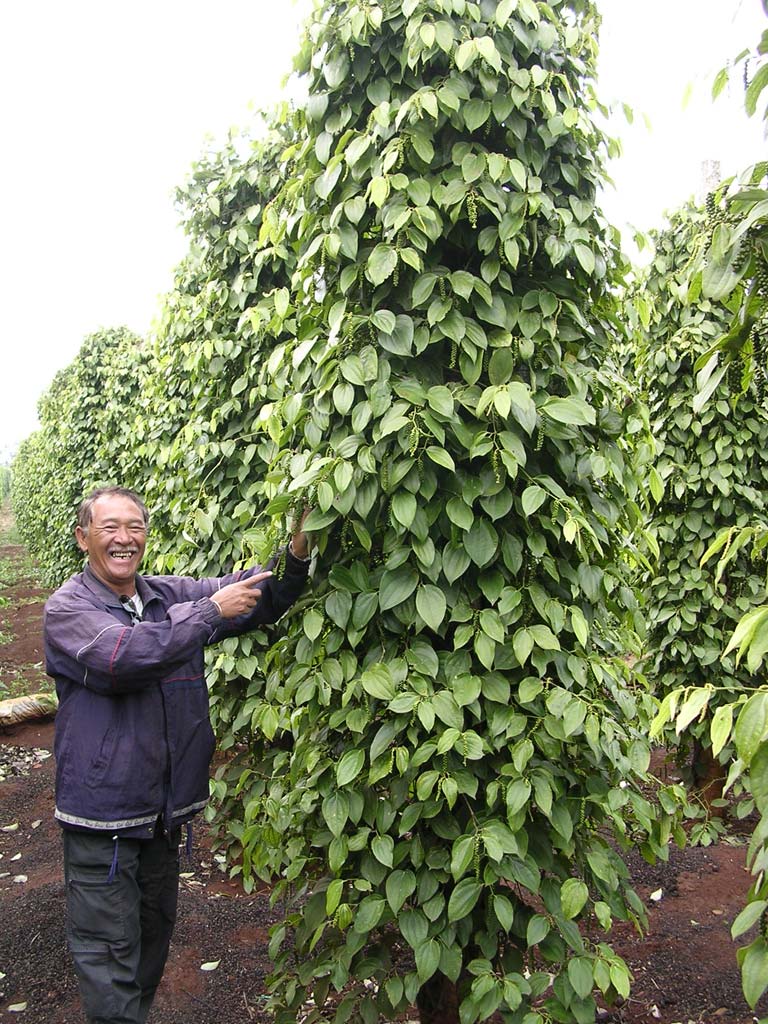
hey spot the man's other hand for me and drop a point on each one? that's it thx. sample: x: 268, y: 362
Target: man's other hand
x: 239, y: 598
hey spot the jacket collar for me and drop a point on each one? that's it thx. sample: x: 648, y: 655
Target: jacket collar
x: 109, y: 597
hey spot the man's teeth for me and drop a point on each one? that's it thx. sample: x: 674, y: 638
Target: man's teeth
x: 123, y: 555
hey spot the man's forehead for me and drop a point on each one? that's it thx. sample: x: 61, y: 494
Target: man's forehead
x: 115, y: 506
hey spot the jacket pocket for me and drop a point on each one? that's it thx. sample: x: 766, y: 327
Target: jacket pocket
x: 99, y: 766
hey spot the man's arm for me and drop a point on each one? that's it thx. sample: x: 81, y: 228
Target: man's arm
x: 88, y: 645
x: 276, y: 596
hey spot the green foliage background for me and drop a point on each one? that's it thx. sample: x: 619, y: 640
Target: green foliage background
x: 5, y: 482
x: 86, y: 437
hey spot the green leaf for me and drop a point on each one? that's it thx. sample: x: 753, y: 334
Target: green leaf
x: 404, y: 507
x: 754, y: 971
x: 522, y: 644
x: 349, y: 767
x: 504, y: 911
x: 382, y: 848
x: 570, y: 410
x: 573, y: 897
x: 720, y: 730
x: 751, y: 726
x: 396, y: 586
x: 481, y: 542
x: 414, y: 927
x: 463, y: 899
x: 400, y: 885
x: 476, y: 113
x: 533, y: 498
x: 581, y: 976
x: 336, y: 811
x: 472, y: 167
x: 333, y: 896
x: 441, y: 457
x: 377, y: 681
x: 462, y: 855
x: 431, y: 605
x: 381, y: 263
x: 368, y: 914
x: 466, y: 54
x: 748, y: 917
x: 537, y: 930
x: 585, y: 256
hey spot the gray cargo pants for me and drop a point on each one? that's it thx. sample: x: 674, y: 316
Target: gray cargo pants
x: 119, y: 930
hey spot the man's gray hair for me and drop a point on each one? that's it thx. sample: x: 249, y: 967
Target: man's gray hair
x: 85, y: 511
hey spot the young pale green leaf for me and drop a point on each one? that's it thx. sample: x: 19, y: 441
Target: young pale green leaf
x: 751, y: 729
x: 573, y: 897
x: 570, y: 410
x: 692, y: 707
x: 748, y: 917
x: 720, y: 729
x: 377, y: 681
x: 533, y: 498
x: 381, y: 263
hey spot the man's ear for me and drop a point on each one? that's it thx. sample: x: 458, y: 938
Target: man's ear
x: 82, y: 538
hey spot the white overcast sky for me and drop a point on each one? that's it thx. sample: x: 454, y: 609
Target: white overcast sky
x: 105, y: 106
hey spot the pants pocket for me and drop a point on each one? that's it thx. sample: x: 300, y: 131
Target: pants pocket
x: 95, y: 912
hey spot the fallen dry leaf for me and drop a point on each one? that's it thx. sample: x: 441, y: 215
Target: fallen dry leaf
x: 19, y: 878
x: 656, y: 896
x: 210, y: 966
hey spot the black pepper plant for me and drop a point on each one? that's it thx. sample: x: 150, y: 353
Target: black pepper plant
x: 397, y: 311
x: 399, y: 316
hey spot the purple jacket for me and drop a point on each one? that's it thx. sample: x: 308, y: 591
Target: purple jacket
x: 133, y: 737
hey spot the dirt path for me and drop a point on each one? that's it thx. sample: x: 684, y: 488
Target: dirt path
x: 685, y: 968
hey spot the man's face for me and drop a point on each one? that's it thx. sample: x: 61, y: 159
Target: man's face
x: 114, y: 542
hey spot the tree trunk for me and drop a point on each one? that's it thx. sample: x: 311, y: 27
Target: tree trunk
x: 438, y: 1001
x: 708, y: 778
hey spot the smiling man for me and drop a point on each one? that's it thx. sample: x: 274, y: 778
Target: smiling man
x: 133, y: 738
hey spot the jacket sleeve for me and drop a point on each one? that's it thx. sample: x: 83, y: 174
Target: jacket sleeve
x: 88, y: 645
x: 277, y: 595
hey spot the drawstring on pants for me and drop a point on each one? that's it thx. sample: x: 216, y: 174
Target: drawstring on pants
x: 188, y: 846
x: 114, y: 865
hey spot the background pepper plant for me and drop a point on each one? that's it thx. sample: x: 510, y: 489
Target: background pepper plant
x: 709, y: 476
x: 86, y: 436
